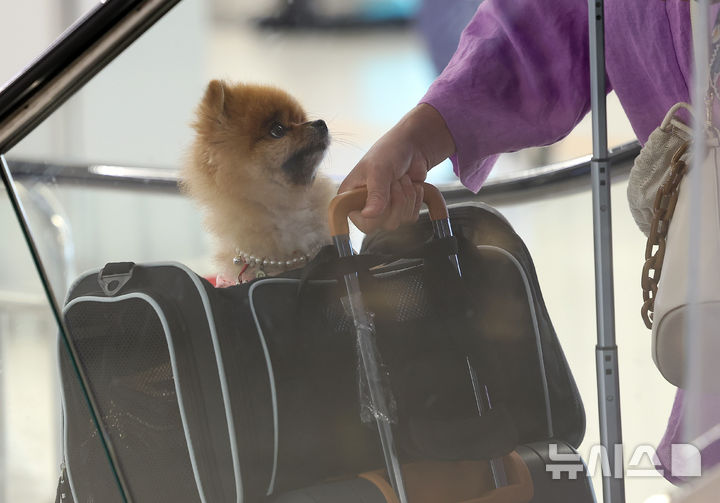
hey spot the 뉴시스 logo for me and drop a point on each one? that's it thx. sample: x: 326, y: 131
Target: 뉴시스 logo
x: 685, y: 462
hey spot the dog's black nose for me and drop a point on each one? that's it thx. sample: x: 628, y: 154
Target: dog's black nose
x: 320, y: 126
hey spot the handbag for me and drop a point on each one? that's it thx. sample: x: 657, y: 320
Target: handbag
x: 678, y: 209
x: 683, y: 227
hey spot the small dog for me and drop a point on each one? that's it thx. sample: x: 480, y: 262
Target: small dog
x: 253, y: 168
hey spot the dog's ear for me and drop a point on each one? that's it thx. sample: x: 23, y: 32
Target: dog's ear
x: 214, y: 99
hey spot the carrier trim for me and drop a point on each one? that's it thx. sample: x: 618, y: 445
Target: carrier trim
x: 536, y: 328
x: 176, y: 379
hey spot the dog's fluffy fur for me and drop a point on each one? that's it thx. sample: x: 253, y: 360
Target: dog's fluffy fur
x: 253, y: 170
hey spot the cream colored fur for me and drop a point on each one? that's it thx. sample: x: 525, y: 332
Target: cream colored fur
x: 233, y: 171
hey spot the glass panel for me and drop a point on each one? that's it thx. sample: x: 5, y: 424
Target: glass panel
x: 30, y: 442
x: 688, y: 289
x: 361, y: 80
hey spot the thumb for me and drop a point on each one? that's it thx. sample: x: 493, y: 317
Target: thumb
x: 378, y: 198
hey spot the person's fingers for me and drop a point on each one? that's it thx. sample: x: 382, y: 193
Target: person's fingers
x: 417, y: 172
x: 402, y: 202
x: 366, y: 225
x: 390, y: 218
x: 408, y: 200
x: 404, y: 207
x: 419, y: 193
x: 379, y: 182
x: 355, y: 179
x: 377, y: 188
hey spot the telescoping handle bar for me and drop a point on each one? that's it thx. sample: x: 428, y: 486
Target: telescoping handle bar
x: 340, y: 208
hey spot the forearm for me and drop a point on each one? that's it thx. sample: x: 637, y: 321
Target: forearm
x: 518, y: 79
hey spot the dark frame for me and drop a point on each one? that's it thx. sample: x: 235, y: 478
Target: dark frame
x: 71, y: 61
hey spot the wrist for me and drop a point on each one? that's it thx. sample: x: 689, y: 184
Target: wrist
x: 427, y: 131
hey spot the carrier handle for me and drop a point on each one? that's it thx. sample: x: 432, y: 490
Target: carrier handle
x: 343, y: 204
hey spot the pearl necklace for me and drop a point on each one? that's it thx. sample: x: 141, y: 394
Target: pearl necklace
x: 250, y: 260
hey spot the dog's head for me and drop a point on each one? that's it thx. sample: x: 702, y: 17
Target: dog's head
x: 250, y: 134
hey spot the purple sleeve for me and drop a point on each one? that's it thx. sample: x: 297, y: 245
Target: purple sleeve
x: 519, y: 78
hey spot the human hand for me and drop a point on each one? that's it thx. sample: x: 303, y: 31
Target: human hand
x: 395, y: 167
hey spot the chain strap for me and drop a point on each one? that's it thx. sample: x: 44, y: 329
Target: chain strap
x: 667, y: 195
x: 663, y: 209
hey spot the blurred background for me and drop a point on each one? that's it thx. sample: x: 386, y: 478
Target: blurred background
x: 359, y: 65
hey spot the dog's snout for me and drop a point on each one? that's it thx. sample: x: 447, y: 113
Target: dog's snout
x: 320, y: 126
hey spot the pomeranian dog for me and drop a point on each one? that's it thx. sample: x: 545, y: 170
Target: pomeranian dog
x: 253, y: 169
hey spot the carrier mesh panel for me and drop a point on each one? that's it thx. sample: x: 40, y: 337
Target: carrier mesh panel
x: 406, y: 289
x: 337, y: 318
x: 125, y: 354
x: 416, y: 335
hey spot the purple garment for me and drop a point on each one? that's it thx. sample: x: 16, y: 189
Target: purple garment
x: 520, y: 78
x: 707, y: 410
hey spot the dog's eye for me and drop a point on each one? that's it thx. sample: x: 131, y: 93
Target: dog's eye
x: 277, y: 130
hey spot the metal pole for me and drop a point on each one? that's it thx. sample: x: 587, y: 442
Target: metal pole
x: 606, y: 350
x: 372, y: 372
